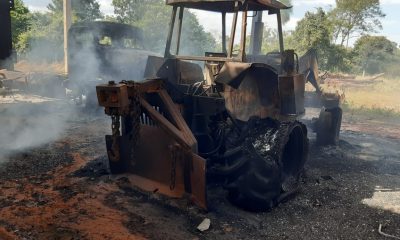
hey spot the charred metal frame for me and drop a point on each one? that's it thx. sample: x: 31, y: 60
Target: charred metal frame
x: 164, y: 128
x: 238, y: 7
x: 176, y: 128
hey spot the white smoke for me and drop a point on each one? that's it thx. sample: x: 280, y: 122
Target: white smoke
x: 28, y: 121
x: 27, y: 125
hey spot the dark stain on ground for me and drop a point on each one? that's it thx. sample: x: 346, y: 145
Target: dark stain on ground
x: 35, y: 162
x: 329, y: 205
x: 93, y: 169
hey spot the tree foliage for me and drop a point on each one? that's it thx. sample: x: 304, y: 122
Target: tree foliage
x: 313, y: 32
x: 153, y: 17
x: 41, y: 33
x: 84, y: 10
x: 270, y: 41
x: 44, y: 38
x: 132, y: 11
x: 20, y: 20
x: 352, y: 17
x: 372, y: 53
x: 195, y: 40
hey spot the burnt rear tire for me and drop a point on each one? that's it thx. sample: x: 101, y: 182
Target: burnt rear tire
x: 265, y: 167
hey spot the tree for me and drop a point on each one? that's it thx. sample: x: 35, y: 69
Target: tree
x: 373, y: 53
x: 352, y: 17
x: 270, y: 40
x: 84, y: 10
x: 315, y: 31
x: 131, y: 11
x: 20, y: 20
x: 195, y: 40
x: 153, y: 17
x: 44, y: 38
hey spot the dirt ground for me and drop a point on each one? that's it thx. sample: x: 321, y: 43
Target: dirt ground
x: 61, y: 190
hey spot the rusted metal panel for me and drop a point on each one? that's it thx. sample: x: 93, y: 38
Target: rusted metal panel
x: 162, y: 166
x: 148, y: 86
x: 291, y: 92
x: 163, y: 158
x: 251, y: 90
x: 198, y: 181
x: 163, y: 123
x: 113, y: 96
x: 232, y: 73
x: 157, y: 160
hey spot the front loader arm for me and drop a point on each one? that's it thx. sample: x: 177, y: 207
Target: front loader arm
x: 308, y: 65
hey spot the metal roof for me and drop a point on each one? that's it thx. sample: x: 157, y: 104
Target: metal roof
x: 112, y: 29
x: 228, y: 5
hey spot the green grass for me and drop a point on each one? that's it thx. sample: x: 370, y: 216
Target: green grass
x: 368, y: 111
x: 380, y: 99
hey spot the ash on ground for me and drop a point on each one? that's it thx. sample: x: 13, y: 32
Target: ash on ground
x: 61, y: 190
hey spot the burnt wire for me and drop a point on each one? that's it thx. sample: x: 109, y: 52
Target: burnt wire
x: 220, y: 139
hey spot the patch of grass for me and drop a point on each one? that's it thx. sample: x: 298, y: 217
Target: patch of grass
x: 368, y: 111
x: 384, y: 94
x: 380, y: 99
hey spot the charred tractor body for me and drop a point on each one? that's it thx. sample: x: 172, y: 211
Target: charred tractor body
x: 237, y: 124
x: 103, y: 50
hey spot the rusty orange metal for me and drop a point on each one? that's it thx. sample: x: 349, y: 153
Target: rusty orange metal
x: 165, y: 157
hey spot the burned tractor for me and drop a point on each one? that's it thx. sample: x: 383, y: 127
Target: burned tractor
x: 102, y: 50
x: 233, y: 122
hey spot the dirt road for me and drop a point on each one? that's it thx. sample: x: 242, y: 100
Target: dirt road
x: 61, y: 190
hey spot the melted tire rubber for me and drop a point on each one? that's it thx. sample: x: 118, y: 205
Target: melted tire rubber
x: 328, y: 126
x: 265, y: 166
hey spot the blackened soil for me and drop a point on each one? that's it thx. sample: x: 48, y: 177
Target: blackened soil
x: 35, y: 162
x: 347, y: 191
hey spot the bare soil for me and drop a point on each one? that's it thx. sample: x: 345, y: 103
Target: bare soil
x: 61, y: 190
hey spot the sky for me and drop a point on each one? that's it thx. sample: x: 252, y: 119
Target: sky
x: 390, y: 23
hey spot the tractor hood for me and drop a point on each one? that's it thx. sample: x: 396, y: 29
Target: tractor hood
x: 233, y: 73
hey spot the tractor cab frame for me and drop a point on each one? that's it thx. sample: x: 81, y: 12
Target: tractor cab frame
x: 223, y: 7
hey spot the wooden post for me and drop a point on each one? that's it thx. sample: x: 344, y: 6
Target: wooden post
x: 67, y: 25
